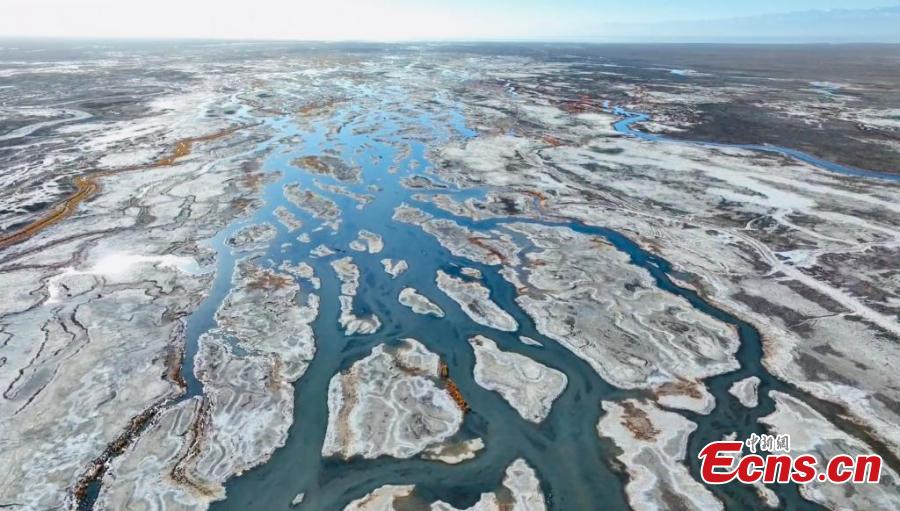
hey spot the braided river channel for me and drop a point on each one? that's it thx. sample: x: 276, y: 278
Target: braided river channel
x: 576, y: 467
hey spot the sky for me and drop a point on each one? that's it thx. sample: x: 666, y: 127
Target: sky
x: 437, y: 20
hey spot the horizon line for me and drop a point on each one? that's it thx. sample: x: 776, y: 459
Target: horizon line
x: 674, y: 41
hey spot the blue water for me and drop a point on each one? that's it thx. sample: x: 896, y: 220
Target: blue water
x: 574, y: 465
x: 372, y: 139
x: 625, y: 126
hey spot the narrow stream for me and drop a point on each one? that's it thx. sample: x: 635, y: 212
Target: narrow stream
x: 625, y: 126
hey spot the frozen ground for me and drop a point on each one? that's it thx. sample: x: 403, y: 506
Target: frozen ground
x: 278, y: 276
